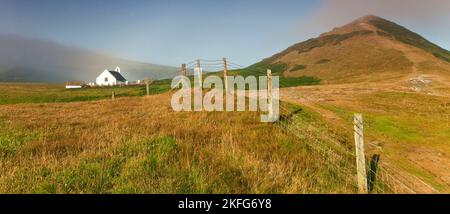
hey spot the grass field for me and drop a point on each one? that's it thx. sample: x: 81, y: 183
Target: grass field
x: 410, y: 131
x: 140, y: 145
x: 12, y: 93
x: 415, y: 131
x: 54, y: 140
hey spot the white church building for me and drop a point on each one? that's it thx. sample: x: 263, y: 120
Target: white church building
x: 111, y: 78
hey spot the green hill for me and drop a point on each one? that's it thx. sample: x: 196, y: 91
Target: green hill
x: 367, y: 49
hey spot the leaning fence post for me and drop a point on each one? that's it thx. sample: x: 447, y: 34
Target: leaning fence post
x: 269, y: 93
x: 359, y: 149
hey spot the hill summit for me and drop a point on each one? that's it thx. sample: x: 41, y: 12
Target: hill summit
x: 369, y: 48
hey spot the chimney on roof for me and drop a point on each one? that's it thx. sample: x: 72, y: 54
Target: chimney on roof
x: 117, y: 69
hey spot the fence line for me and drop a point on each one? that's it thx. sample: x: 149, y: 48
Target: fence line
x: 350, y: 168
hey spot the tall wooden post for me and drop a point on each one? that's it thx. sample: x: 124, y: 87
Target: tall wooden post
x: 225, y: 74
x: 183, y: 70
x: 198, y: 87
x: 113, y: 95
x: 269, y: 93
x: 147, y: 87
x: 199, y: 73
x: 359, y: 149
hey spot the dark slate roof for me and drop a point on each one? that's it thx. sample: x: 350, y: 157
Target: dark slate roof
x: 118, y: 76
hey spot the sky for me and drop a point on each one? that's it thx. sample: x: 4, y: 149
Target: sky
x: 171, y: 32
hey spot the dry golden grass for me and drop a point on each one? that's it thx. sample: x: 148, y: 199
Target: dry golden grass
x: 411, y: 130
x: 140, y: 145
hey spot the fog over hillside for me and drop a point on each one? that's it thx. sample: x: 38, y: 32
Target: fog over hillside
x: 31, y: 60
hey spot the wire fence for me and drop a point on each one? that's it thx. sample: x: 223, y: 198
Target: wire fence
x: 335, y: 150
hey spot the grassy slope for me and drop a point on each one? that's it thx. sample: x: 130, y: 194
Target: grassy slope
x: 413, y: 130
x: 139, y: 145
x: 310, y: 44
x: 406, y: 36
x: 349, y: 60
x: 354, y: 56
x: 260, y: 69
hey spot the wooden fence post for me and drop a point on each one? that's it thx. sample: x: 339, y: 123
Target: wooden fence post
x: 199, y: 73
x: 359, y: 149
x: 269, y: 93
x: 183, y: 70
x: 225, y: 74
x: 147, y: 87
x: 113, y: 95
x: 197, y: 65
